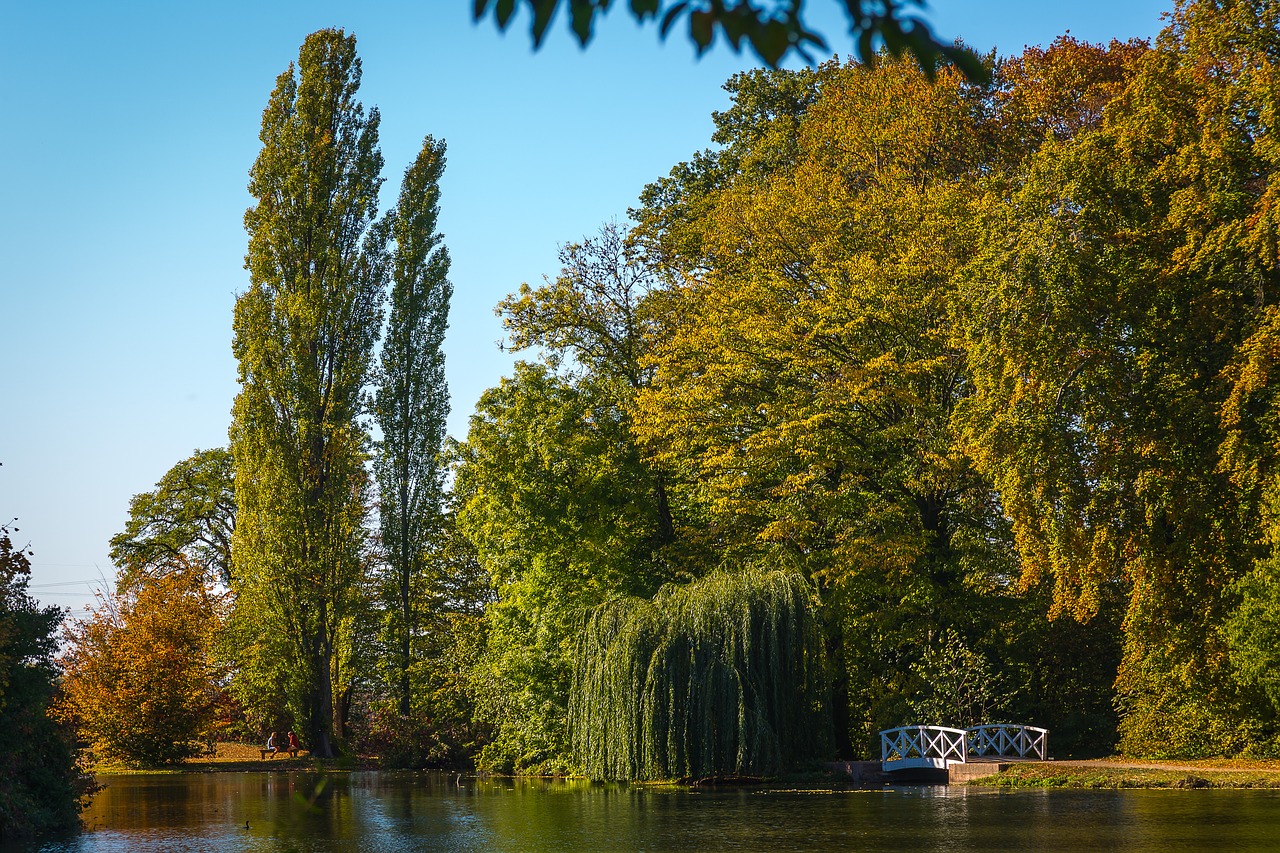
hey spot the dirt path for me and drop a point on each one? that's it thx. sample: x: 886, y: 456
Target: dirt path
x: 1221, y: 765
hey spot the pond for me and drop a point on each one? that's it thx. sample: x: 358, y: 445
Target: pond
x: 288, y: 811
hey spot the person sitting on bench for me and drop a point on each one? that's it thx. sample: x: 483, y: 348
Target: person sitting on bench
x: 272, y: 748
x: 293, y: 746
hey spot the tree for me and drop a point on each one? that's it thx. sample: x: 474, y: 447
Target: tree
x: 41, y: 786
x: 1118, y: 278
x: 441, y: 728
x: 139, y: 672
x: 593, y: 311
x: 595, y: 321
x: 724, y: 675
x: 756, y: 138
x: 304, y: 336
x: 807, y: 372
x: 773, y: 30
x: 191, y: 514
x: 412, y: 401
x: 551, y: 491
x: 959, y: 687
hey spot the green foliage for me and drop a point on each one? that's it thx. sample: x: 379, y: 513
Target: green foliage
x: 594, y: 311
x: 41, y: 786
x: 725, y: 675
x: 138, y: 672
x: 552, y: 493
x: 959, y: 687
x: 552, y: 489
x: 807, y: 371
x: 191, y: 515
x: 412, y: 401
x: 1253, y: 630
x: 946, y: 347
x: 304, y: 337
x: 442, y: 728
x: 755, y: 138
x: 772, y: 30
x: 1111, y: 299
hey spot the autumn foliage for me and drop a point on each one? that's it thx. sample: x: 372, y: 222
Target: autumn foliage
x: 986, y: 370
x: 139, y: 677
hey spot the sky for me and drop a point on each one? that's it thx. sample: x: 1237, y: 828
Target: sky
x: 130, y: 130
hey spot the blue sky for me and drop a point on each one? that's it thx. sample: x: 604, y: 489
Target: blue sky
x: 131, y: 127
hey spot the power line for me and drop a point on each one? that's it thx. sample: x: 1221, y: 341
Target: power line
x: 35, y: 564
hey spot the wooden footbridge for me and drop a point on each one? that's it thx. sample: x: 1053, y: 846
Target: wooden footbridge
x: 938, y: 747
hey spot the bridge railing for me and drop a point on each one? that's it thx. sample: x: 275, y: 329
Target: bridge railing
x: 1008, y: 740
x: 909, y: 747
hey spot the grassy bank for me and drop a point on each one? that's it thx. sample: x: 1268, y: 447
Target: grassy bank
x: 1102, y: 775
x: 241, y: 757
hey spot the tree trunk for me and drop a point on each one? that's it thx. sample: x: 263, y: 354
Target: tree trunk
x: 406, y: 616
x: 322, y: 710
x: 840, y: 694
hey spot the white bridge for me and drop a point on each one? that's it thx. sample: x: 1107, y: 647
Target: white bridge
x: 938, y: 747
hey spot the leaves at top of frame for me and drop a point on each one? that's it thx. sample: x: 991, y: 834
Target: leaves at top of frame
x: 773, y: 33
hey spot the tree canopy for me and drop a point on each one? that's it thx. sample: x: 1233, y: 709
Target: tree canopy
x: 188, y: 520
x: 913, y: 398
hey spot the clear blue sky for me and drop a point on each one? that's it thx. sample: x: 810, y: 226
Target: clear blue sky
x: 129, y: 133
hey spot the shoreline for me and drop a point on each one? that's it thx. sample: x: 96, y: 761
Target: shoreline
x: 1122, y: 773
x: 1097, y: 774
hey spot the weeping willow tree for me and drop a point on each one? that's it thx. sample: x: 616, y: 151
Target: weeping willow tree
x: 722, y: 676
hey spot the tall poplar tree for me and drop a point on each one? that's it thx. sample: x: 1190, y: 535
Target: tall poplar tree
x: 304, y: 336
x: 412, y: 401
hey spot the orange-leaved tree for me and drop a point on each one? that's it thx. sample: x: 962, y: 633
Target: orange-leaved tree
x: 139, y: 678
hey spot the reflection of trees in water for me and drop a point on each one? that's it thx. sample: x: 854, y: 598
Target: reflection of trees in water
x: 430, y: 811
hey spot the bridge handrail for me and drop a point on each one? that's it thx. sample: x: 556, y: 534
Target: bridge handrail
x: 1008, y: 740
x: 939, y: 742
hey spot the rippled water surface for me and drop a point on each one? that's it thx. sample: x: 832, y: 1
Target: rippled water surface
x: 401, y: 812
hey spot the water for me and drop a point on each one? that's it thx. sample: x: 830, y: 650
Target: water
x: 376, y: 812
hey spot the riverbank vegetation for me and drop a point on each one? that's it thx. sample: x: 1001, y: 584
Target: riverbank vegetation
x: 1098, y: 778
x: 910, y: 400
x: 41, y: 780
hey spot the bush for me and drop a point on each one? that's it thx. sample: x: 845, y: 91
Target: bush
x: 41, y: 787
x: 139, y: 680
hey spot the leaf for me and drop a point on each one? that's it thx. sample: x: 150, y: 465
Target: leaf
x: 645, y: 9
x: 866, y: 47
x: 969, y: 63
x: 502, y: 12
x: 701, y: 24
x: 543, y: 10
x: 669, y: 19
x: 771, y: 42
x: 583, y: 14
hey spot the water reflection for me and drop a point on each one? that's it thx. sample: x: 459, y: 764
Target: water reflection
x: 281, y: 811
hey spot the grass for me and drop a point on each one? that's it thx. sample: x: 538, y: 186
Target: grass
x: 1096, y: 777
x: 234, y: 757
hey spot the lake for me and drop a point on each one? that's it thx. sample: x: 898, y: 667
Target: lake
x: 374, y: 812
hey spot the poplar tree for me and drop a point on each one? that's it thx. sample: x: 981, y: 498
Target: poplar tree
x: 412, y: 401
x: 304, y: 336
